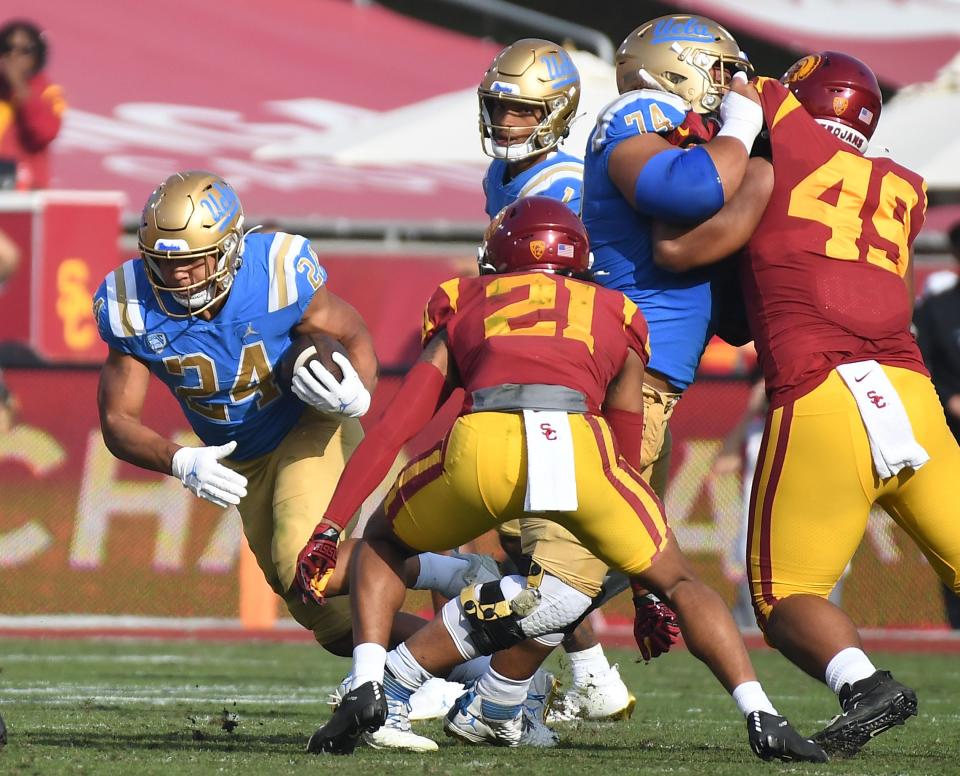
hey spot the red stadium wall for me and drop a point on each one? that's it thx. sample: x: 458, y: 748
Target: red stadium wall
x: 81, y: 533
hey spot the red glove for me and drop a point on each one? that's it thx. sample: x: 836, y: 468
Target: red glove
x: 317, y: 562
x: 655, y: 627
x: 695, y: 129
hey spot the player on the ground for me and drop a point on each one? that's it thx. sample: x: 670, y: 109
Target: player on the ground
x: 528, y: 100
x: 551, y: 366
x: 209, y: 309
x: 854, y: 419
x: 656, y: 155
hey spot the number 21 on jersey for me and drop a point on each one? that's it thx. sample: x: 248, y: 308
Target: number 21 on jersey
x: 848, y: 177
x: 574, y: 322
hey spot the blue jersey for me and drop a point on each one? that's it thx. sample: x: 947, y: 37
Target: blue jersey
x: 221, y: 370
x: 677, y: 306
x: 559, y: 176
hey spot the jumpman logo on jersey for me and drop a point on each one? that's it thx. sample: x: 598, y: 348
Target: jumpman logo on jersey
x: 249, y: 332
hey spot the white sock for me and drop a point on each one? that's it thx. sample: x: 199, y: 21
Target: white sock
x: 848, y: 666
x: 501, y: 690
x: 438, y: 571
x: 405, y: 668
x: 470, y: 670
x: 587, y: 663
x: 369, y: 660
x: 750, y: 697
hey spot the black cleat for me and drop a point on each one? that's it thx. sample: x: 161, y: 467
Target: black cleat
x: 3, y: 734
x: 870, y: 707
x: 361, y: 710
x: 772, y: 738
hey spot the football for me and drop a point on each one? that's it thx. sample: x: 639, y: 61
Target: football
x: 306, y: 348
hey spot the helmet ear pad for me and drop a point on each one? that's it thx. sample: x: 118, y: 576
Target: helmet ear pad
x: 839, y: 91
x: 536, y: 233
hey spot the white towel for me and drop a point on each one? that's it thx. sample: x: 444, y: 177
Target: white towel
x: 892, y: 443
x: 551, y: 474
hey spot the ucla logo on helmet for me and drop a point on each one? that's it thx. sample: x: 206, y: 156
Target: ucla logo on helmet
x: 800, y: 70
x: 537, y: 248
x: 221, y: 203
x: 692, y: 29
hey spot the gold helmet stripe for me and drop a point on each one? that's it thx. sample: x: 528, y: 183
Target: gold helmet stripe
x: 123, y: 304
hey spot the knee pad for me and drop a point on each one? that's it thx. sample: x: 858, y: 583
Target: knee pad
x: 560, y: 606
x: 496, y: 615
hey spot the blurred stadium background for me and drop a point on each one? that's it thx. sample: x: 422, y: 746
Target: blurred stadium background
x: 355, y: 123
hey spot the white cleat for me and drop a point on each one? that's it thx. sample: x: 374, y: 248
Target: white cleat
x: 535, y: 733
x: 396, y: 732
x: 467, y: 722
x: 540, y: 695
x: 603, y: 697
x: 434, y: 699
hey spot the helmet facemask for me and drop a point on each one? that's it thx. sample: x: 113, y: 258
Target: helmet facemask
x: 543, y: 136
x: 202, y: 294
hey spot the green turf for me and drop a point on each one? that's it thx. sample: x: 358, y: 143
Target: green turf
x: 150, y: 708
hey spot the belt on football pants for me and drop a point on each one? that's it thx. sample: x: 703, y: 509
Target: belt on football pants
x: 536, y: 396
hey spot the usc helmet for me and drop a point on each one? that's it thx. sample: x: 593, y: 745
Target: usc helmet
x: 535, y: 233
x: 535, y: 73
x: 190, y: 215
x: 679, y: 54
x: 840, y: 92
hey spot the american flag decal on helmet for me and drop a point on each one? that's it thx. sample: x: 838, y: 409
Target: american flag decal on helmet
x: 565, y: 250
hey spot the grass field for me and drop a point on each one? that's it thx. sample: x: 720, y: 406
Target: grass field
x: 138, y: 707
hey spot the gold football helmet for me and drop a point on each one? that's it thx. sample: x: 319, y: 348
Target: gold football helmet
x: 536, y: 73
x: 690, y: 56
x: 190, y: 215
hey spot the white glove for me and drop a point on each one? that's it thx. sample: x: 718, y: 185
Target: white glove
x: 200, y: 471
x: 741, y: 117
x: 314, y: 385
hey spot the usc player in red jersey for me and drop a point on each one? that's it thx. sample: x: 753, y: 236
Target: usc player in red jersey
x: 552, y: 366
x: 854, y: 419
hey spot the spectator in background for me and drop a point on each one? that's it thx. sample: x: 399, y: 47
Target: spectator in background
x: 937, y: 322
x: 30, y: 107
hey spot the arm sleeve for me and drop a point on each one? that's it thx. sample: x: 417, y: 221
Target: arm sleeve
x: 627, y: 429
x: 677, y: 185
x: 412, y: 407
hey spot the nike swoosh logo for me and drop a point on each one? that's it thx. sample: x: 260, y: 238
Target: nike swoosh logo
x: 683, y: 132
x: 862, y: 377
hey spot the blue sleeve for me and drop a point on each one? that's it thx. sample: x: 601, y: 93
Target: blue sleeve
x: 567, y: 190
x: 310, y: 275
x: 101, y: 314
x: 637, y: 113
x: 677, y: 185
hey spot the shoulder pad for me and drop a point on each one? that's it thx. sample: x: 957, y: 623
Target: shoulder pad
x: 118, y: 306
x: 637, y: 113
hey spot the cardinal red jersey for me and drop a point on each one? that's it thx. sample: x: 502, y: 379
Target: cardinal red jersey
x: 823, y: 275
x: 536, y: 328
